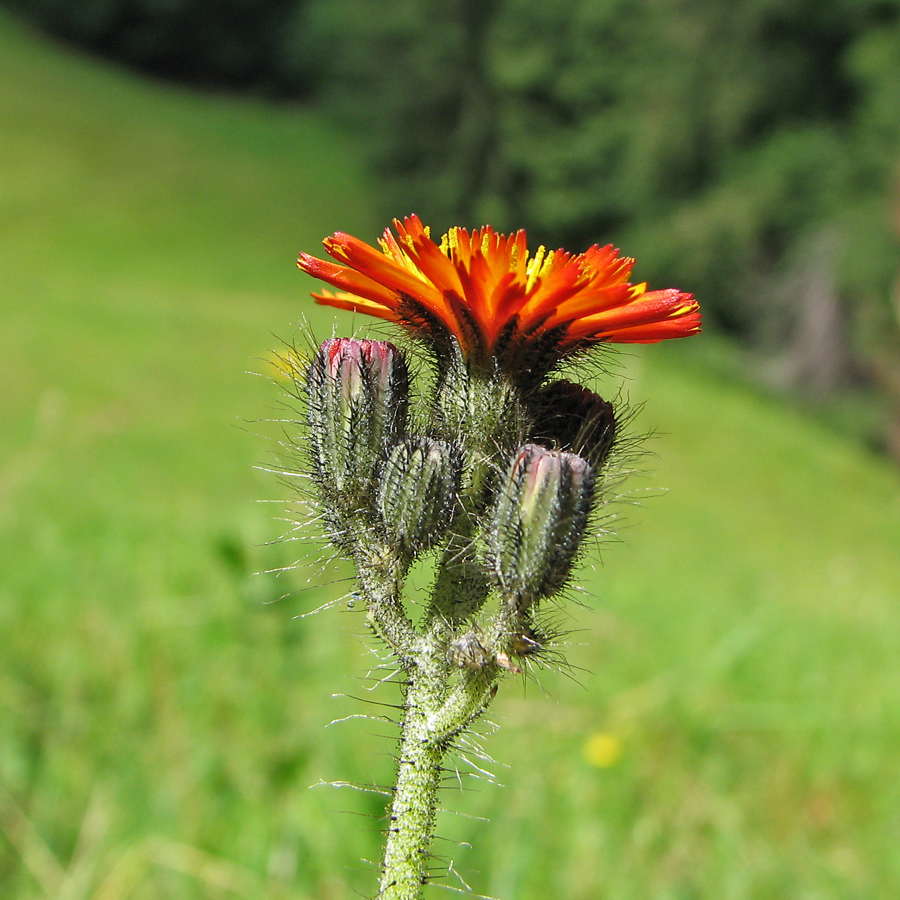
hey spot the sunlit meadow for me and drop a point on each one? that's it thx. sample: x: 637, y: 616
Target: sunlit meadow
x: 730, y: 723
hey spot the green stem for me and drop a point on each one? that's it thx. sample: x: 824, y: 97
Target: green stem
x: 431, y: 722
x: 412, y: 811
x: 440, y: 701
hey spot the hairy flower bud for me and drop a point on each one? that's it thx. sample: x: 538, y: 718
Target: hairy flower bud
x: 571, y: 417
x: 415, y: 492
x: 358, y: 395
x: 538, y: 521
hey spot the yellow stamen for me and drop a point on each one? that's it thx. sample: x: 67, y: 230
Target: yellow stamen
x: 535, y: 268
x: 548, y: 262
x: 404, y: 259
x: 450, y: 243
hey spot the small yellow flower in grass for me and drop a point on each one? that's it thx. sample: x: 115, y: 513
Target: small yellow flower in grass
x: 284, y: 364
x: 603, y: 749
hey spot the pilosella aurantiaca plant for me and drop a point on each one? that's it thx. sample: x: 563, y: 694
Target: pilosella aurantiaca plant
x: 498, y: 478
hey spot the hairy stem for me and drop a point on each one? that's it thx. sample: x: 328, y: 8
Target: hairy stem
x: 412, y: 811
x: 433, y: 716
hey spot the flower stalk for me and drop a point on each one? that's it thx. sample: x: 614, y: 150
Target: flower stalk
x: 497, y: 477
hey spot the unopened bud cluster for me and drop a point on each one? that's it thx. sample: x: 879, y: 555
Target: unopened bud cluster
x: 498, y: 479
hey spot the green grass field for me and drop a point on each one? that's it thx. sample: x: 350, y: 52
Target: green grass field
x: 732, y: 731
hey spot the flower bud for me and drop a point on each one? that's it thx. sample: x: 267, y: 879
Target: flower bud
x: 538, y: 521
x: 358, y: 395
x: 415, y: 492
x: 573, y: 418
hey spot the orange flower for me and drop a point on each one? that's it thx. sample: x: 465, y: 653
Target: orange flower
x: 482, y: 289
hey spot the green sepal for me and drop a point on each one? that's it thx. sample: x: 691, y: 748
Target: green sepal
x: 417, y: 487
x: 358, y: 397
x: 538, y: 521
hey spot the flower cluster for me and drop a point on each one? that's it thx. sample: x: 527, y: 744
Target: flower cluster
x: 495, y: 471
x: 517, y: 501
x: 504, y: 474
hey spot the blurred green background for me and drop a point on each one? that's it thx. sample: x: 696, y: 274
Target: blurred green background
x: 731, y: 726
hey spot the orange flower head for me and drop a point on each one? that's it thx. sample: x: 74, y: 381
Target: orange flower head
x: 483, y: 290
